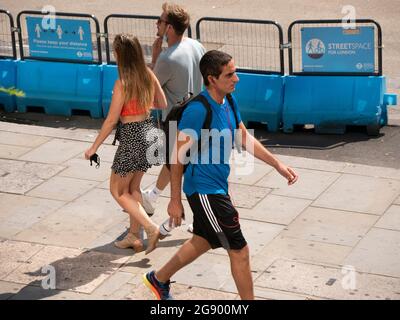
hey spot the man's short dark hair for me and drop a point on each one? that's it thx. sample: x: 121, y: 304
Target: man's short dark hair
x: 177, y: 17
x: 211, y: 64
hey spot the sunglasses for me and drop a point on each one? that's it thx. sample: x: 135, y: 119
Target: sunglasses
x: 95, y: 158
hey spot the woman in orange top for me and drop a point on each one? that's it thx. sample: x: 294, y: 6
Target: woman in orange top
x: 135, y: 92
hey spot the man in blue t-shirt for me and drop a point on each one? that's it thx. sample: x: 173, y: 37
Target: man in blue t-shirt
x: 215, y: 220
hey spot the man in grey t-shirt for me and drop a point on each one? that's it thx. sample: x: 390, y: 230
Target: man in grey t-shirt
x: 177, y: 69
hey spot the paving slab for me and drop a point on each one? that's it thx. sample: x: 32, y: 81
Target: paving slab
x: 18, y: 183
x: 271, y: 294
x: 9, y: 289
x: 310, y: 185
x: 104, y: 185
x: 38, y: 293
x: 74, y: 270
x: 139, y: 263
x: 27, y: 168
x: 21, y: 212
x: 276, y: 209
x: 249, y: 174
x: 327, y: 281
x: 22, y: 140
x: 19, y: 177
x: 246, y: 196
x: 115, y: 232
x: 397, y: 201
x: 304, y: 250
x: 378, y: 252
x: 390, y: 219
x: 15, y: 254
x: 313, y: 164
x: 330, y: 226
x: 77, y: 224
x: 360, y: 194
x: 12, y: 152
x: 111, y: 285
x: 61, y: 133
x: 81, y: 169
x: 372, y: 171
x: 56, y: 151
x: 121, y: 294
x: 208, y: 271
x: 62, y: 188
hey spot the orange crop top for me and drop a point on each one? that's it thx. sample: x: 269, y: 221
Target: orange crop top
x: 132, y: 109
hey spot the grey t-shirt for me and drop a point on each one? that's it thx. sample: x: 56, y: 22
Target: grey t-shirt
x: 177, y: 69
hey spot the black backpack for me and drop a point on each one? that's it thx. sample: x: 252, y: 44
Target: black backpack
x: 176, y: 115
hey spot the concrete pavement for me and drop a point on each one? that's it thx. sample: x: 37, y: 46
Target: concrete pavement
x: 333, y: 235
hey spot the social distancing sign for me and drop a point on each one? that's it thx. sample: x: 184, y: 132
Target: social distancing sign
x: 65, y: 39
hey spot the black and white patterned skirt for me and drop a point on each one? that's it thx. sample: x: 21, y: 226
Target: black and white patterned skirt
x: 140, y: 147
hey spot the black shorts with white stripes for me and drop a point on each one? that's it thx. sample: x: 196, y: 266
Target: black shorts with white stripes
x: 216, y: 220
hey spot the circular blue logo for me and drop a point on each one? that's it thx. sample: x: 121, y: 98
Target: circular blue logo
x: 315, y: 48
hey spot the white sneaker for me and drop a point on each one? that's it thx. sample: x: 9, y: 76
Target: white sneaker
x: 147, y: 202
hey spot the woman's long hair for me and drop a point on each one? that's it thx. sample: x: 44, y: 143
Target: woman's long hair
x: 136, y: 79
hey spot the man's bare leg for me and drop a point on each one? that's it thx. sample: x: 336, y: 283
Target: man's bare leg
x: 240, y: 267
x: 190, y: 251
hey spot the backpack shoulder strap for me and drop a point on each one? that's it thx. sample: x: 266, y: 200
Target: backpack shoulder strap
x: 207, y: 122
x: 232, y: 104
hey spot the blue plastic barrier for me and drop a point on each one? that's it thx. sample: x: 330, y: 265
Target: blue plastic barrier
x: 389, y: 99
x: 331, y: 103
x: 110, y: 74
x: 60, y: 87
x: 8, y: 79
x: 260, y: 98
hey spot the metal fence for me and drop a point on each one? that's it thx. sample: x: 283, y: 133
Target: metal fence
x: 295, y: 48
x: 7, y: 36
x: 143, y: 27
x: 255, y: 45
x: 94, y: 27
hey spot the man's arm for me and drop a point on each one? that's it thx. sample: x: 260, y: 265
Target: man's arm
x: 156, y: 50
x: 175, y: 207
x: 254, y: 147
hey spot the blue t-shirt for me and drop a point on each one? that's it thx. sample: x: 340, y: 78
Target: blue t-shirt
x: 209, y: 174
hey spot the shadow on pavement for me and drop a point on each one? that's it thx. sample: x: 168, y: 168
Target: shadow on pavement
x: 79, y: 274
x: 304, y: 138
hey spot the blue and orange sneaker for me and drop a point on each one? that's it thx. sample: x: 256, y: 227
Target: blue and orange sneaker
x: 160, y: 289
